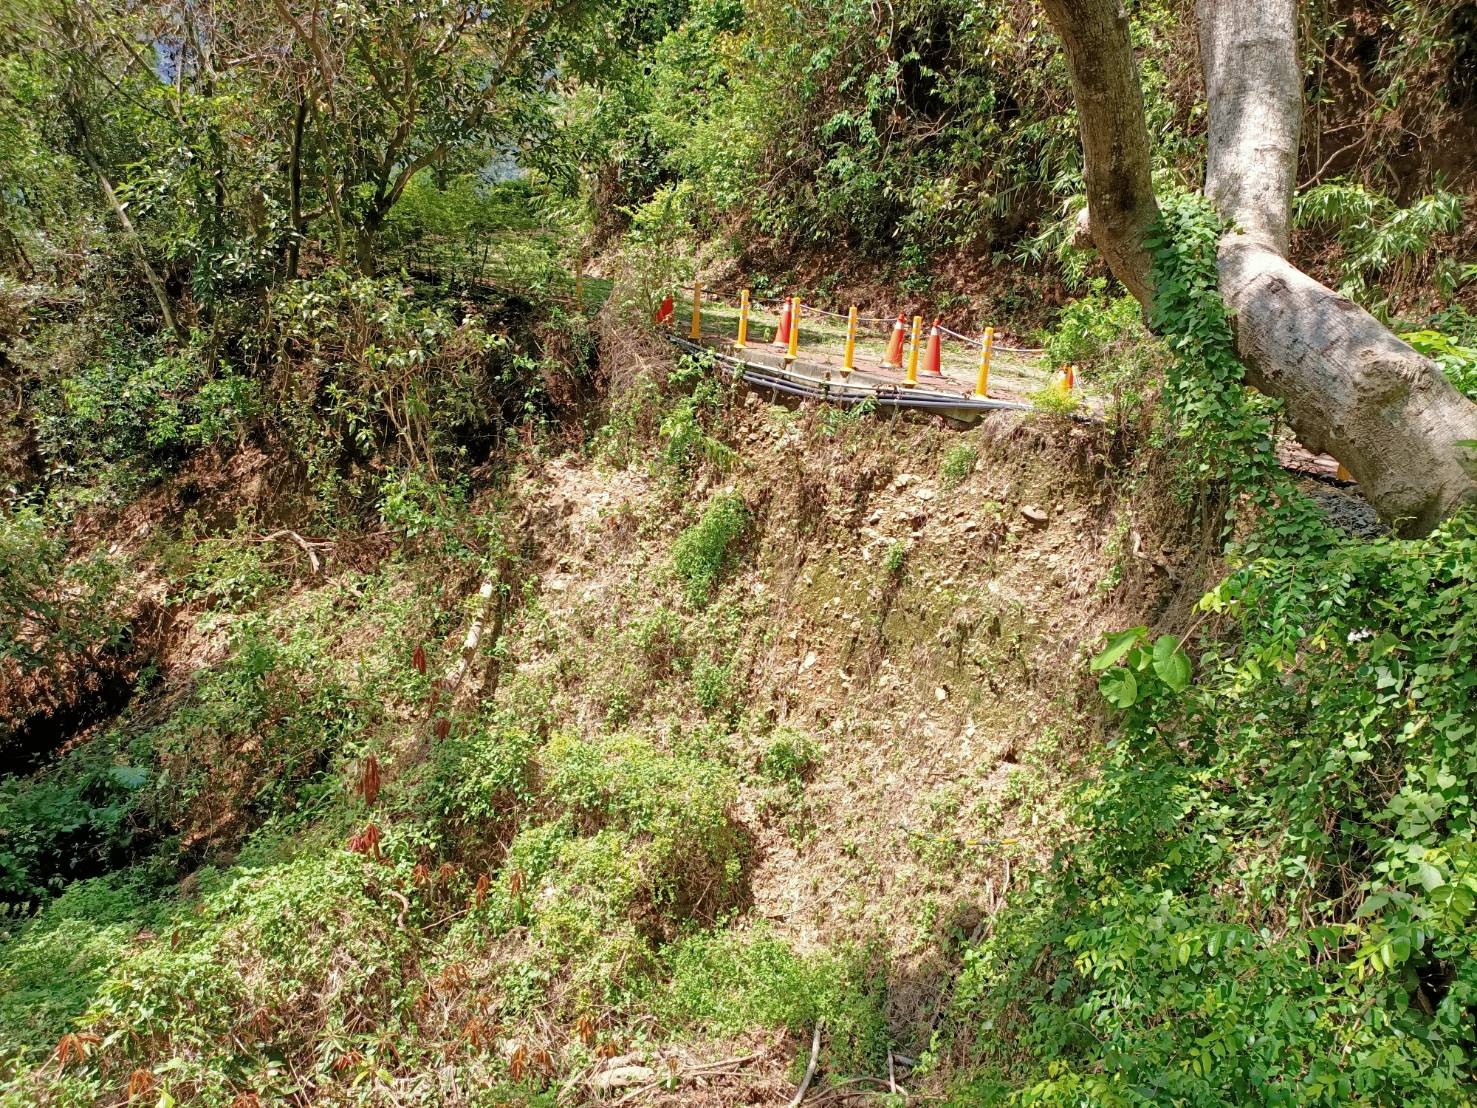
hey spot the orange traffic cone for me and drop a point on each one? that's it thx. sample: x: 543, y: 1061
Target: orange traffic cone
x: 894, y: 358
x: 932, y: 355
x: 664, y: 313
x: 782, y: 335
x: 1071, y: 377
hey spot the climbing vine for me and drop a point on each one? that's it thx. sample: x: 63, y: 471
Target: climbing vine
x: 1271, y: 899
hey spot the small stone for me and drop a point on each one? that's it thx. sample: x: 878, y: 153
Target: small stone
x: 941, y: 693
x: 1033, y: 513
x: 810, y: 660
x: 925, y: 494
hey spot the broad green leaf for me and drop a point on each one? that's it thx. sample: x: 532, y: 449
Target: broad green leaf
x: 1382, y: 645
x: 130, y: 777
x: 1119, y: 644
x: 1429, y: 876
x: 1170, y: 663
x: 1119, y: 688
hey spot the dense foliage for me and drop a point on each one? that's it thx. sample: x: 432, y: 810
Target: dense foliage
x: 1271, y: 897
x: 288, y: 314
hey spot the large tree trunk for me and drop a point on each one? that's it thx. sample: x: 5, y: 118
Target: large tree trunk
x: 1350, y: 386
x: 1105, y: 85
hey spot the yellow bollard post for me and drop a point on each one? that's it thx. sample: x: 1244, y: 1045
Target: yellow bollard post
x: 850, y: 361
x: 743, y: 334
x: 794, y: 351
x: 697, y: 311
x: 982, y: 386
x: 912, y: 378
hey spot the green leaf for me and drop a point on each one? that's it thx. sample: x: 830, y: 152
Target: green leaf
x: 1119, y: 644
x: 1119, y: 688
x: 1382, y: 645
x: 1429, y: 876
x: 130, y: 777
x: 1170, y: 663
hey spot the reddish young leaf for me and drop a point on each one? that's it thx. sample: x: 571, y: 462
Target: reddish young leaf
x: 369, y: 780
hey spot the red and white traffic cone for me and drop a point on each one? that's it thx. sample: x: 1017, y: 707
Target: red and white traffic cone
x: 894, y: 358
x: 782, y: 334
x: 933, y: 355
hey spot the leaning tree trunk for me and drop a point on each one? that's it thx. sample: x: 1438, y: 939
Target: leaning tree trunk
x: 1105, y: 85
x: 1349, y: 385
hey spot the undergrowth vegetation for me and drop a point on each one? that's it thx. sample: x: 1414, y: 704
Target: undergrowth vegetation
x: 1270, y: 895
x: 419, y: 686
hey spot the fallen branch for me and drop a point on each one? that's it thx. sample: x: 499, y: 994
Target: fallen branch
x: 454, y: 675
x: 815, y: 1054
x: 308, y: 545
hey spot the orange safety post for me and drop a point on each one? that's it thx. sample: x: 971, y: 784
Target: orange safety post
x: 894, y: 357
x: 912, y: 378
x: 982, y: 386
x: 782, y: 333
x: 664, y: 313
x: 849, y: 362
x: 697, y: 312
x: 743, y: 331
x: 1071, y: 379
x: 934, y: 354
x: 794, y: 350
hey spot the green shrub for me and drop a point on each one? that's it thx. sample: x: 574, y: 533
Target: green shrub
x: 53, y: 607
x: 712, y: 685
x: 730, y: 981
x: 708, y: 550
x: 958, y: 464
x: 895, y: 560
x: 75, y: 819
x: 1376, y: 234
x: 52, y: 964
x: 122, y: 407
x: 790, y: 758
x: 1458, y: 362
x: 479, y: 783
x: 1095, y: 328
x: 274, y: 963
x: 1054, y: 401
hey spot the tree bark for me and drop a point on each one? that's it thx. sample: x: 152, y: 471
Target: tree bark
x: 1115, y: 141
x: 1349, y: 385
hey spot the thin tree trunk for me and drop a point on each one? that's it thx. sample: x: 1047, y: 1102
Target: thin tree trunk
x: 1350, y: 386
x: 161, y: 294
x: 295, y: 187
